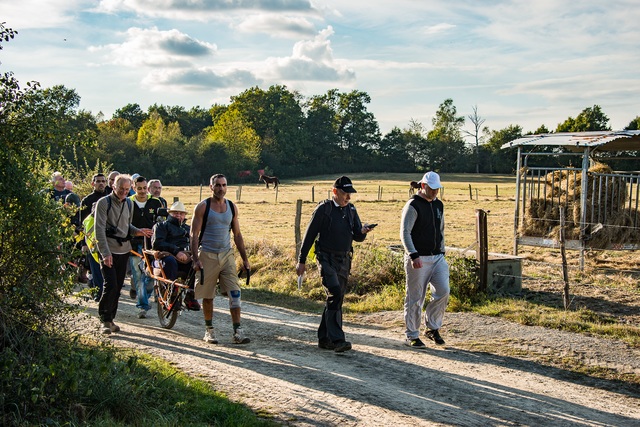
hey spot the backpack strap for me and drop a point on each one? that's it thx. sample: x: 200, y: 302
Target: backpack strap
x: 206, y: 216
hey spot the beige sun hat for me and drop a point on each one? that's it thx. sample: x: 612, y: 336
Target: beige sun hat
x: 178, y: 207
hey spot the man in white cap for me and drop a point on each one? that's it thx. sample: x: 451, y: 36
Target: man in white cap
x: 172, y: 236
x: 422, y: 235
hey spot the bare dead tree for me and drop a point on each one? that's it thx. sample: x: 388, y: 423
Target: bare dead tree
x: 477, y: 125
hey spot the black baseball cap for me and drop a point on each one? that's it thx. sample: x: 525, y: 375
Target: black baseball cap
x: 344, y: 183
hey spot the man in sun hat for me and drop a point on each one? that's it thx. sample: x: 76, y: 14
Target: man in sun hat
x: 336, y: 224
x: 173, y: 237
x: 422, y: 235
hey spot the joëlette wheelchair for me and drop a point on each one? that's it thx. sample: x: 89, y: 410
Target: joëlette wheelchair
x: 169, y: 293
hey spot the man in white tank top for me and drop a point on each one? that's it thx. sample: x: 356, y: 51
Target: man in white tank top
x: 213, y: 256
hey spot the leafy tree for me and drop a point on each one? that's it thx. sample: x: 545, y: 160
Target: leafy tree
x: 161, y: 148
x: 496, y: 159
x: 590, y: 119
x: 132, y: 113
x: 634, y: 124
x: 278, y: 120
x: 240, y: 143
x: 191, y: 122
x: 447, y: 151
x: 117, y: 144
x: 34, y: 242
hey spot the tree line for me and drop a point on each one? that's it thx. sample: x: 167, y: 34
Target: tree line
x: 284, y: 133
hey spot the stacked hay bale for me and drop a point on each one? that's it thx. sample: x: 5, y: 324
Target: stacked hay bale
x: 563, y: 188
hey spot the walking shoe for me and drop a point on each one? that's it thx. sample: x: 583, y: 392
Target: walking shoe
x: 142, y: 314
x: 414, y: 343
x: 106, y: 328
x: 114, y: 327
x: 341, y: 347
x: 133, y: 294
x: 192, y: 304
x: 434, y: 336
x: 239, y: 338
x: 326, y: 345
x: 210, y: 336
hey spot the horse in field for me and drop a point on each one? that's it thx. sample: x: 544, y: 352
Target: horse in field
x: 269, y: 180
x: 413, y: 185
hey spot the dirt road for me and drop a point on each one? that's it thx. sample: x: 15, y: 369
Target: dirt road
x: 383, y: 383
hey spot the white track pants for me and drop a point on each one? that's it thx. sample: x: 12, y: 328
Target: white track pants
x: 434, y: 273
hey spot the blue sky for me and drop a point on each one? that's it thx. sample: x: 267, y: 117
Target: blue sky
x: 521, y: 62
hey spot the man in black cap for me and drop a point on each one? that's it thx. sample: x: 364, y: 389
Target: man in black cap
x: 336, y: 224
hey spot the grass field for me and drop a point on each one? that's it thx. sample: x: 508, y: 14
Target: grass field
x: 378, y: 200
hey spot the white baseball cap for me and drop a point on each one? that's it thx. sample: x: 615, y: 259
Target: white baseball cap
x: 432, y: 180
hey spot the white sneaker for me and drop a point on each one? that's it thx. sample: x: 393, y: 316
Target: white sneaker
x: 239, y: 338
x: 210, y: 336
x: 142, y: 314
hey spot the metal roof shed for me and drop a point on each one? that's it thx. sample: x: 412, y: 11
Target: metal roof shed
x: 532, y: 183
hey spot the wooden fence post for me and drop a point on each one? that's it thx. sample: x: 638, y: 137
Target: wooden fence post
x: 497, y: 196
x: 313, y: 194
x: 565, y: 273
x: 297, y: 227
x: 470, y: 193
x: 482, y: 251
x: 239, y: 193
x: 276, y: 194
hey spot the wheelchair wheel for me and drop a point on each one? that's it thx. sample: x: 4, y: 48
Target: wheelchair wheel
x: 168, y: 306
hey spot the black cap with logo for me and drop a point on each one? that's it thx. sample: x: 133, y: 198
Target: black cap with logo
x: 344, y: 183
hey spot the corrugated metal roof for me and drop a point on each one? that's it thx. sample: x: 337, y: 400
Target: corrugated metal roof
x: 623, y: 140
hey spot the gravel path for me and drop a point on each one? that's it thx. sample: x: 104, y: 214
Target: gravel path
x: 490, y: 373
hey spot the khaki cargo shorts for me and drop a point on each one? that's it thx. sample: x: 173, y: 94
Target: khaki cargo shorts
x: 217, y: 267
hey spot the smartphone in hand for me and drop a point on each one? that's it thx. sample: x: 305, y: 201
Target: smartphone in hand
x: 371, y: 226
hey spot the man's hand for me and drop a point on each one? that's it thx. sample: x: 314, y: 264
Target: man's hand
x: 146, y: 232
x: 183, y: 257
x: 416, y: 263
x: 108, y: 261
x: 300, y: 268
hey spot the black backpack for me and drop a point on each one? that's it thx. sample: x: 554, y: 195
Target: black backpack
x: 206, y: 216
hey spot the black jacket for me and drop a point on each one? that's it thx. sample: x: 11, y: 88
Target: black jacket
x: 170, y: 236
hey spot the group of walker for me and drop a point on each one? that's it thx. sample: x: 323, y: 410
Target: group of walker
x: 334, y: 226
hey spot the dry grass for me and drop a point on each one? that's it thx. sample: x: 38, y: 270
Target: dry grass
x: 267, y: 224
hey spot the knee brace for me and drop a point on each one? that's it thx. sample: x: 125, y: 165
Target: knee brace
x: 234, y: 299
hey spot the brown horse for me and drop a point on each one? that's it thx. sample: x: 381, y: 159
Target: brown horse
x: 269, y: 180
x: 413, y: 185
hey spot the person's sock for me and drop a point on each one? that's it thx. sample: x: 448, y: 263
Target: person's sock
x: 208, y: 323
x: 236, y: 326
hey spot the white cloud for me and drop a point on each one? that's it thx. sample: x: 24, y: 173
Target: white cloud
x: 152, y: 48
x: 202, y: 10
x: 277, y: 25
x: 26, y: 14
x: 311, y: 60
x: 438, y: 28
x: 199, y: 78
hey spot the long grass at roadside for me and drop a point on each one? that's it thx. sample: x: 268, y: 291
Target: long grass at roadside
x: 377, y: 284
x: 57, y: 378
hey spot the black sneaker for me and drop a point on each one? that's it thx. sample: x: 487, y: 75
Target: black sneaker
x: 341, y: 347
x: 414, y: 343
x: 434, y: 336
x: 326, y: 345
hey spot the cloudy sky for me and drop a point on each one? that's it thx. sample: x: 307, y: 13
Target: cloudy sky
x: 521, y: 62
